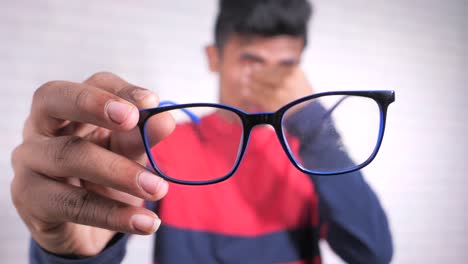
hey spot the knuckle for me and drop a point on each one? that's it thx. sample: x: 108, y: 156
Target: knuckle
x: 68, y: 150
x: 110, y: 216
x: 19, y: 182
x: 43, y: 91
x: 128, y: 89
x: 16, y: 156
x: 51, y: 84
x: 98, y: 77
x: 18, y: 189
x: 82, y: 98
x: 114, y: 166
x: 44, y: 88
x: 16, y: 198
x: 135, y: 93
x: 84, y: 207
x: 79, y: 206
x: 119, y: 168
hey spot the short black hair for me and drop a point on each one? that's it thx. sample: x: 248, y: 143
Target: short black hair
x: 265, y: 18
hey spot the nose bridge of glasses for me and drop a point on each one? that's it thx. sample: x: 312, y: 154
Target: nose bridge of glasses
x: 263, y: 119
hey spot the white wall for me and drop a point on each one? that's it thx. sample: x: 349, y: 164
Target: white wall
x: 416, y: 47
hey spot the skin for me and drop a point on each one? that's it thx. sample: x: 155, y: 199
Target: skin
x: 259, y: 74
x: 80, y: 173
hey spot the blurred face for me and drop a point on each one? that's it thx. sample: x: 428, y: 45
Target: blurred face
x: 243, y: 57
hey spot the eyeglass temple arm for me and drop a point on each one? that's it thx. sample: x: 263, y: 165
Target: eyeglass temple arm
x: 327, y: 115
x: 330, y: 111
x: 189, y: 113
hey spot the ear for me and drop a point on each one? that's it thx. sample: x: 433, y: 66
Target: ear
x: 213, y: 57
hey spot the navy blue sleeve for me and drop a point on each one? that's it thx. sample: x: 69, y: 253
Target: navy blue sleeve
x: 113, y: 253
x: 357, y: 227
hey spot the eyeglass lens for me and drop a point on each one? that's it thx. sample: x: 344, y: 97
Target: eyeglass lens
x: 208, y: 148
x: 349, y: 123
x: 198, y: 150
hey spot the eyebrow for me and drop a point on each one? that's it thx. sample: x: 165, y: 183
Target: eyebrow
x: 253, y: 57
x: 288, y: 62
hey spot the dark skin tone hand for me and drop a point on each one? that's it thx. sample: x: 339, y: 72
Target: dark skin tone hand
x: 80, y: 173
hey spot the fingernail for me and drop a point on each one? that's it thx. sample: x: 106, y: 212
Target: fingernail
x: 117, y: 111
x: 145, y: 223
x: 151, y: 183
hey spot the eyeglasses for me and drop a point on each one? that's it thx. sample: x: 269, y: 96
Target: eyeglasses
x: 210, y: 140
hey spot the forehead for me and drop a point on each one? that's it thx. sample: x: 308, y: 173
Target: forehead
x: 267, y: 47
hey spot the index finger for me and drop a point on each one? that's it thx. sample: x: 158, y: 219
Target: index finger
x: 57, y: 103
x: 131, y: 144
x: 140, y: 97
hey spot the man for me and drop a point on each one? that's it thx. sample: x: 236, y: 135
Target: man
x: 80, y: 176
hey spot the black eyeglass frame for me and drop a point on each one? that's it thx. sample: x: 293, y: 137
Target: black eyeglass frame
x: 383, y: 98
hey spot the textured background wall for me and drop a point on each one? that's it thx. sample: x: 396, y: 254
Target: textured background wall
x: 416, y: 47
